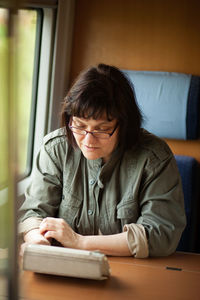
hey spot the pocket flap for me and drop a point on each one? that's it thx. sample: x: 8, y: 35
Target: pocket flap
x: 127, y: 209
x: 125, y: 212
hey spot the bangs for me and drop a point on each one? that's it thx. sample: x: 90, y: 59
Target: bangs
x: 93, y: 108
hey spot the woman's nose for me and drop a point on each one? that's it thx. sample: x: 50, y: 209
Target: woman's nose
x: 89, y: 137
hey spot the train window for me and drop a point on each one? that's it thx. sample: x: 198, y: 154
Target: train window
x: 43, y: 65
x: 34, y: 56
x: 27, y: 51
x: 29, y: 36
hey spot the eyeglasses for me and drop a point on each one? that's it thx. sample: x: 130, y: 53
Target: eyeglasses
x: 97, y: 134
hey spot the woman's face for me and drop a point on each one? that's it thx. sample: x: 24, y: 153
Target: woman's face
x: 94, y: 147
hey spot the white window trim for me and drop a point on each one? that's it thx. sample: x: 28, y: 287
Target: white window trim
x: 62, y: 60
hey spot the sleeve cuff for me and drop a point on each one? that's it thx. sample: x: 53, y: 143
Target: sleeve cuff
x: 137, y: 240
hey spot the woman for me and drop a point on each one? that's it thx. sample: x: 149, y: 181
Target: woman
x: 101, y: 182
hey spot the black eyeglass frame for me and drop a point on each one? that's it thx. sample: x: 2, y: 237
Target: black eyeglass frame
x: 93, y: 132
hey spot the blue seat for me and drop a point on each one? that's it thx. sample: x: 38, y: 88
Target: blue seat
x: 188, y: 168
x: 170, y: 104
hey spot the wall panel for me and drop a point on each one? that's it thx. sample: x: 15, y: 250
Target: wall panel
x: 137, y: 34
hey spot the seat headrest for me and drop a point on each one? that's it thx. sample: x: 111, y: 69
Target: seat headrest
x: 169, y: 102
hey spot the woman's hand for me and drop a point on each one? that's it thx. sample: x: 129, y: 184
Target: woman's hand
x: 59, y: 230
x: 33, y: 237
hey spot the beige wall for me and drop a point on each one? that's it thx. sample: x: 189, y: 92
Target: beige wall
x: 138, y: 34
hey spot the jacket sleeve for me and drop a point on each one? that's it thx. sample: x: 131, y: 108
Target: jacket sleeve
x: 162, y: 207
x: 43, y: 195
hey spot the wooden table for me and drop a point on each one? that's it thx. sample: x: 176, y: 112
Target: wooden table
x: 176, y: 277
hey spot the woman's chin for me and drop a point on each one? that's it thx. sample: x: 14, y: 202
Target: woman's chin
x: 91, y: 156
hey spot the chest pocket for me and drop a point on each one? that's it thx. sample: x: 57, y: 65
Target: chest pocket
x: 70, y: 208
x: 128, y: 211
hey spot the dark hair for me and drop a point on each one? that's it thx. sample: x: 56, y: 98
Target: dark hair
x: 104, y: 89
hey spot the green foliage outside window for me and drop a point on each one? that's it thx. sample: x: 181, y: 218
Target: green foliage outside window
x: 25, y: 49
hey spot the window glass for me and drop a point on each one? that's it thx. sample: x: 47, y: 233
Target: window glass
x: 27, y: 51
x: 27, y: 25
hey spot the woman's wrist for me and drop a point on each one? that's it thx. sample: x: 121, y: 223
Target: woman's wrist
x: 81, y: 242
x: 29, y: 234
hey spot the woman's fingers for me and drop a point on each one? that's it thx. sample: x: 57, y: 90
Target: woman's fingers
x: 52, y: 234
x: 58, y: 229
x: 47, y: 224
x: 52, y: 224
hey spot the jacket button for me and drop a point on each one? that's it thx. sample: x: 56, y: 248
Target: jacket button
x: 92, y: 181
x: 90, y: 212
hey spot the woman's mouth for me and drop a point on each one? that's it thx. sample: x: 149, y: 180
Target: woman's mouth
x: 90, y: 148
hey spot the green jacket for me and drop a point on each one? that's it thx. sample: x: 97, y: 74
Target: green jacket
x: 140, y: 186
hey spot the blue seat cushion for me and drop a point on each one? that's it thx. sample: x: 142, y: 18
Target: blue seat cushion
x: 188, y: 168
x: 169, y: 102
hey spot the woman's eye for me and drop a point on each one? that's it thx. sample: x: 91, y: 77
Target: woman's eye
x: 104, y: 129
x: 84, y: 127
x: 79, y: 126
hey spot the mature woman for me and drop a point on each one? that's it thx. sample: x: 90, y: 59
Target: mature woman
x: 101, y: 182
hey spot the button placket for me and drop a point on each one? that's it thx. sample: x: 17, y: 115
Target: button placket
x: 91, y: 206
x: 93, y: 211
